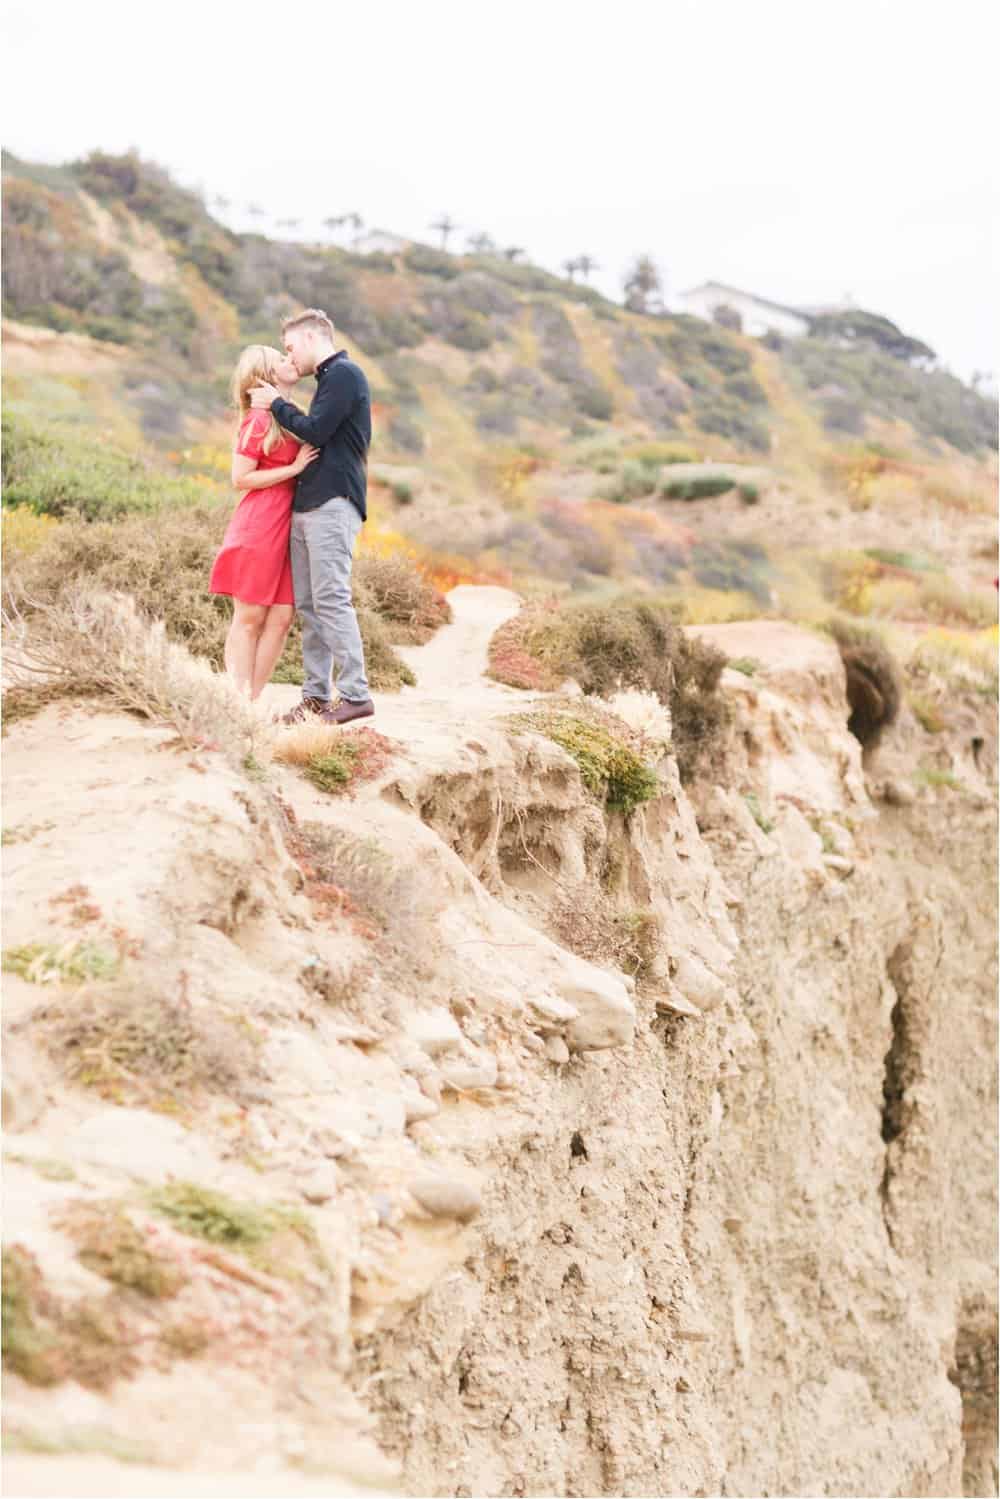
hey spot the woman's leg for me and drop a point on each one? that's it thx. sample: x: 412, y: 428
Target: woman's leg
x: 271, y: 644
x: 242, y: 641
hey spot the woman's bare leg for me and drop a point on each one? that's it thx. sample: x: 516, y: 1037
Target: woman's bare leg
x: 271, y: 644
x: 243, y: 640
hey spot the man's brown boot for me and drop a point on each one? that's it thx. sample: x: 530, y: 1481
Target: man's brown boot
x: 345, y: 711
x: 308, y: 708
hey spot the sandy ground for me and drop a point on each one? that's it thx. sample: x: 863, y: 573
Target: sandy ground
x: 452, y: 691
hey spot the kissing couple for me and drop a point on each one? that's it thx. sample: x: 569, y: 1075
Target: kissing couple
x: 290, y: 541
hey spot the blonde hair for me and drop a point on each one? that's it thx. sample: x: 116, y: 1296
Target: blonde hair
x: 312, y: 318
x: 255, y: 366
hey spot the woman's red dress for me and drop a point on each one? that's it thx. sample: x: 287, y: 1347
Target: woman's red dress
x: 253, y: 563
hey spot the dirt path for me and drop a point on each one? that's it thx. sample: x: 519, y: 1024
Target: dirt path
x: 452, y: 691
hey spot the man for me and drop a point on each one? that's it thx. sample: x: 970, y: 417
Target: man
x: 328, y: 511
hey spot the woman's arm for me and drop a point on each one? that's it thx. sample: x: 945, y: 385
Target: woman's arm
x: 246, y: 474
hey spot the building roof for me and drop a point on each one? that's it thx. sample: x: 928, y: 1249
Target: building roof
x: 751, y: 296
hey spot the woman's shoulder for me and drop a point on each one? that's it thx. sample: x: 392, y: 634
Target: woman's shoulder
x: 253, y: 428
x: 256, y: 420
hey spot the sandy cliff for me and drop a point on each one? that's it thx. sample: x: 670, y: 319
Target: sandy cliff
x: 521, y: 1223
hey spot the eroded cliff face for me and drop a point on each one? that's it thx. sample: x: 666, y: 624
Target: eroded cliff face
x: 728, y: 1227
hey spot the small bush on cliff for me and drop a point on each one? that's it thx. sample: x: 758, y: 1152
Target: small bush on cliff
x: 611, y: 765
x: 630, y: 642
x: 873, y: 681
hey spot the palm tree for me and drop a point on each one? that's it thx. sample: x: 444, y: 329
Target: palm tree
x: 333, y: 224
x: 444, y: 227
x: 357, y: 223
x: 571, y: 267
x: 585, y: 264
x: 642, y: 285
x: 480, y: 244
x: 513, y: 252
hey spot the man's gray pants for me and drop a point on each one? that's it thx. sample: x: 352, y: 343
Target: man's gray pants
x: 322, y: 550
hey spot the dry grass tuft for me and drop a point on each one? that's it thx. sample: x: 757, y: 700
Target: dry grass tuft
x: 129, y: 1041
x: 101, y: 644
x: 109, y: 1243
x: 401, y: 595
x: 300, y: 743
x: 335, y: 760
x: 585, y: 921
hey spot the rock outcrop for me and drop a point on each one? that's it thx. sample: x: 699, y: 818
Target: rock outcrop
x: 513, y: 1220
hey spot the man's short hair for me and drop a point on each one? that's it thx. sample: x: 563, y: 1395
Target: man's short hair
x: 312, y: 318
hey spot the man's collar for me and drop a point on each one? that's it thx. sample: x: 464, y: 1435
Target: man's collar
x: 325, y: 364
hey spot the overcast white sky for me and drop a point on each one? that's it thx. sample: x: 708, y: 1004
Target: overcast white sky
x: 799, y: 149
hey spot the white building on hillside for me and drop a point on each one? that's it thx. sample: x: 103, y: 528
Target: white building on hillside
x: 757, y: 314
x: 380, y: 240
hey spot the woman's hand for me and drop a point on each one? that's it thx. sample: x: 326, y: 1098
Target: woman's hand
x: 304, y: 457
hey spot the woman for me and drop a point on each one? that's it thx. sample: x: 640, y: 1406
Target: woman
x: 252, y: 565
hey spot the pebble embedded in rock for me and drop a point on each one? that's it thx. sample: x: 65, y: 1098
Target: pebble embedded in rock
x: 898, y: 793
x: 697, y: 983
x: 319, y: 1183
x: 462, y: 1072
x: 674, y: 1003
x: 446, y: 1198
x: 556, y: 1050
x: 434, y: 1030
x: 418, y: 1106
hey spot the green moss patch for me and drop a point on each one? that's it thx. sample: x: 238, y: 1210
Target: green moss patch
x: 611, y: 768
x: 269, y: 1234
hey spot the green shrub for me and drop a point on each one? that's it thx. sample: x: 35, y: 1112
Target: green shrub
x: 715, y: 412
x: 333, y: 771
x: 634, y: 480
x: 746, y: 388
x: 61, y: 470
x: 403, y: 492
x: 467, y: 329
x: 698, y: 487
x: 431, y: 262
x: 934, y: 402
x: 749, y: 493
x: 405, y: 434
x: 594, y: 401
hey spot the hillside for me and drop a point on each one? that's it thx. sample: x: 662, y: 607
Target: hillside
x: 544, y: 416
